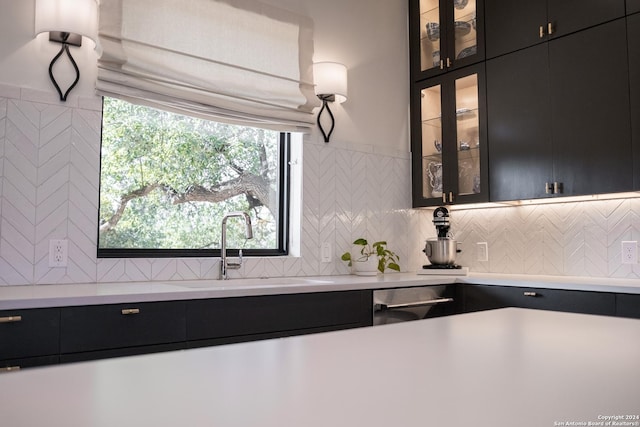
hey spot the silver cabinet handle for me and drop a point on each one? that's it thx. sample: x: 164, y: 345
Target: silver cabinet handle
x: 9, y: 369
x: 547, y: 186
x: 10, y: 319
x: 414, y: 304
x: 449, y: 63
x: 127, y: 311
x: 530, y: 294
x: 557, y: 187
x: 541, y: 31
x: 549, y: 28
x: 442, y: 64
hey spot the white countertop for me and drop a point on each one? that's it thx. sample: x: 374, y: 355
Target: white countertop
x: 39, y: 296
x: 504, y: 367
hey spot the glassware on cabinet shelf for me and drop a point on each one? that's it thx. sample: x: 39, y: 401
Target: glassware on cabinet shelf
x: 467, y: 125
x: 434, y: 46
x: 430, y: 34
x: 466, y: 38
x: 431, y: 120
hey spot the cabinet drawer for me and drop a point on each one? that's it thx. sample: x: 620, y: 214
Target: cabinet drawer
x: 628, y: 305
x: 29, y: 362
x: 227, y: 317
x: 479, y: 297
x: 91, y: 328
x: 569, y: 301
x: 29, y: 333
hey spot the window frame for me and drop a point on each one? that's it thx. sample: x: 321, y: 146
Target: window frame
x: 284, y: 176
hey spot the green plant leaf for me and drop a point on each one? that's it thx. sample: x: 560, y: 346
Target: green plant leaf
x: 361, y: 242
x: 393, y: 266
x: 346, y: 257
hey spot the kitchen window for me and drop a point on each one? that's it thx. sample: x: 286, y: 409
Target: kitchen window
x: 168, y: 179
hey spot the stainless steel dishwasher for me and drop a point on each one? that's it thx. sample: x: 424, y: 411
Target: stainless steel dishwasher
x: 414, y: 303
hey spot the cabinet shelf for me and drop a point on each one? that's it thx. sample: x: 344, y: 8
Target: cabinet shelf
x: 466, y: 113
x: 468, y: 153
x: 434, y: 122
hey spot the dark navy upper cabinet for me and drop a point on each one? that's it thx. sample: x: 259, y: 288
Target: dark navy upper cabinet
x: 516, y: 24
x: 633, y: 38
x: 559, y: 123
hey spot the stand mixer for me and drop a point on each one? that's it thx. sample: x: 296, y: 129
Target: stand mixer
x: 441, y: 251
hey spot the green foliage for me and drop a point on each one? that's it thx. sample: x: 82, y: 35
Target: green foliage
x: 142, y: 146
x: 386, y: 258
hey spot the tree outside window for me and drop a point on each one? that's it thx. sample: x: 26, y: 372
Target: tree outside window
x: 167, y: 180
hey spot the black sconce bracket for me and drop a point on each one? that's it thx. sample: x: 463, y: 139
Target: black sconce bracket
x: 67, y: 39
x: 325, y: 99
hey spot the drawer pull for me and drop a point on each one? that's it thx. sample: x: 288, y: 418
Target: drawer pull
x: 530, y: 294
x: 10, y: 319
x: 130, y: 311
x: 9, y: 369
x: 414, y: 304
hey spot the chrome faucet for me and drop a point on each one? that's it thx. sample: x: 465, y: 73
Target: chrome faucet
x: 224, y: 264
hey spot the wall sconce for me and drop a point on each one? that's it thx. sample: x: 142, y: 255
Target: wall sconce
x: 331, y: 86
x: 67, y: 21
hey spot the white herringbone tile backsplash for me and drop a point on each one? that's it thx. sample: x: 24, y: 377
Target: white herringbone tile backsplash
x: 566, y: 239
x: 49, y: 176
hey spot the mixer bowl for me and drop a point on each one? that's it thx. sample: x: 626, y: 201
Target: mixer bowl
x: 441, y: 251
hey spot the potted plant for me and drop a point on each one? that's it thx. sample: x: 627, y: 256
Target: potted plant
x: 373, y: 258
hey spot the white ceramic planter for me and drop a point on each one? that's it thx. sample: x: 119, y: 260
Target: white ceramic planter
x: 366, y: 268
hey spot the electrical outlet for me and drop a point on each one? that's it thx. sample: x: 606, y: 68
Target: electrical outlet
x: 482, y: 251
x: 630, y: 252
x: 325, y: 252
x: 58, y: 253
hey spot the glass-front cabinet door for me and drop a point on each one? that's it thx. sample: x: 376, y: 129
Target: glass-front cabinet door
x: 448, y: 139
x: 445, y: 35
x: 468, y: 135
x: 431, y: 124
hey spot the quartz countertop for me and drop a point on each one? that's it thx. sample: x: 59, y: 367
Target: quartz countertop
x: 40, y: 296
x: 505, y: 367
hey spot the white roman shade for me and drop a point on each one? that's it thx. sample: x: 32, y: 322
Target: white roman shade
x: 234, y: 61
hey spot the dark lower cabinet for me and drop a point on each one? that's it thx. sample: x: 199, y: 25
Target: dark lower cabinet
x: 218, y: 321
x: 39, y: 337
x: 486, y: 297
x: 88, y: 329
x: 11, y: 365
x: 71, y: 334
x: 628, y: 305
x: 29, y: 337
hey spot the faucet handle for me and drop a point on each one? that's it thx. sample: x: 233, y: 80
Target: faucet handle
x: 240, y: 257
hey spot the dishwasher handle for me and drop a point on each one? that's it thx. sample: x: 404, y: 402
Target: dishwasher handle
x: 381, y: 307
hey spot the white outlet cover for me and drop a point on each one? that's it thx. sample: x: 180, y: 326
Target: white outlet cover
x: 58, y: 253
x: 630, y: 252
x: 482, y: 251
x: 326, y: 252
